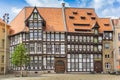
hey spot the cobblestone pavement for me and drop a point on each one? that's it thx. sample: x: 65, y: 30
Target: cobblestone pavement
x: 66, y: 77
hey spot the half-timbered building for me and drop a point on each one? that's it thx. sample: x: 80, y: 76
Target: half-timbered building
x: 63, y: 39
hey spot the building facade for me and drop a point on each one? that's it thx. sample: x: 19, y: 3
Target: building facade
x: 116, y: 24
x: 3, y: 57
x: 63, y: 39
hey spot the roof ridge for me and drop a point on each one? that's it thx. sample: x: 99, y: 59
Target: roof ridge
x: 58, y: 7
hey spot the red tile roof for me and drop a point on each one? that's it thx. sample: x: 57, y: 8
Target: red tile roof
x: 54, y: 19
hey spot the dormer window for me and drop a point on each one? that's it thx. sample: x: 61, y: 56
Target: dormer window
x: 93, y: 18
x: 106, y: 24
x: 74, y: 12
x: 89, y: 13
x: 71, y: 17
x: 82, y: 17
x: 35, y: 20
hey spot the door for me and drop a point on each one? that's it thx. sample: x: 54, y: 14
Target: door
x: 59, y: 66
x: 98, y: 66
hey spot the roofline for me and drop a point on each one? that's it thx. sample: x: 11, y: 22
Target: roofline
x: 58, y: 7
x: 17, y: 15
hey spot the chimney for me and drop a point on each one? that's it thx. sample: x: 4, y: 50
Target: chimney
x: 63, y: 4
x: 64, y: 17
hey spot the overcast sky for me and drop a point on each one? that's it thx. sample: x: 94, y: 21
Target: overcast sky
x: 103, y: 8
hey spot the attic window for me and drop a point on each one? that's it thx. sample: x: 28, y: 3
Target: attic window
x: 93, y: 18
x: 74, y: 12
x: 81, y: 24
x: 82, y: 17
x: 106, y: 24
x: 81, y: 30
x: 89, y: 13
x: 71, y: 17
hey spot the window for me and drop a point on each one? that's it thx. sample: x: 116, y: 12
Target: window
x: 106, y: 35
x: 35, y: 34
x: 76, y: 38
x: 30, y: 24
x: 81, y: 24
x: 32, y: 47
x: 52, y: 37
x: 44, y: 36
x: 80, y: 38
x: 35, y: 25
x: 68, y: 46
x: 84, y: 47
x: 107, y: 56
x: 74, y: 12
x: 106, y: 24
x: 2, y: 58
x: 57, y: 48
x: 71, y: 17
x: 48, y: 36
x: 57, y: 37
x: 62, y: 37
x: 95, y: 48
x: 107, y: 65
x: 91, y: 47
x: 110, y: 35
x: 100, y: 47
x: 93, y: 18
x: 76, y: 47
x: 82, y: 17
x: 72, y: 38
x: 96, y: 31
x: 68, y: 37
x: 119, y: 36
x: 100, y: 39
x: 88, y: 47
x: 95, y: 40
x: 44, y: 48
x: 91, y: 39
x: 49, y: 48
x: 88, y: 39
x: 89, y: 13
x: 107, y: 45
x: 62, y: 49
x: 39, y: 24
x: 39, y: 47
x: 80, y: 47
x: 31, y: 34
x: 84, y: 38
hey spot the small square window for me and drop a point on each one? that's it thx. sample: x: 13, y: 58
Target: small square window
x: 107, y: 45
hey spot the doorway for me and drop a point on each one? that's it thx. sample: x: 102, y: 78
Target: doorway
x: 59, y: 66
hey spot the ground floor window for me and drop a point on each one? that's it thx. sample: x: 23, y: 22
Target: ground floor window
x: 107, y: 65
x: 80, y: 62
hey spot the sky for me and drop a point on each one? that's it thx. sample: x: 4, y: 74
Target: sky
x: 103, y: 8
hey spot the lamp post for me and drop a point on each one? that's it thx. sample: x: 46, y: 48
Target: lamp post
x: 6, y: 20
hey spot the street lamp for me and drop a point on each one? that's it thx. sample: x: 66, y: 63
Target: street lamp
x: 6, y: 20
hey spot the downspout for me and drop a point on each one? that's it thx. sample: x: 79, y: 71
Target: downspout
x: 64, y: 17
x: 114, y: 45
